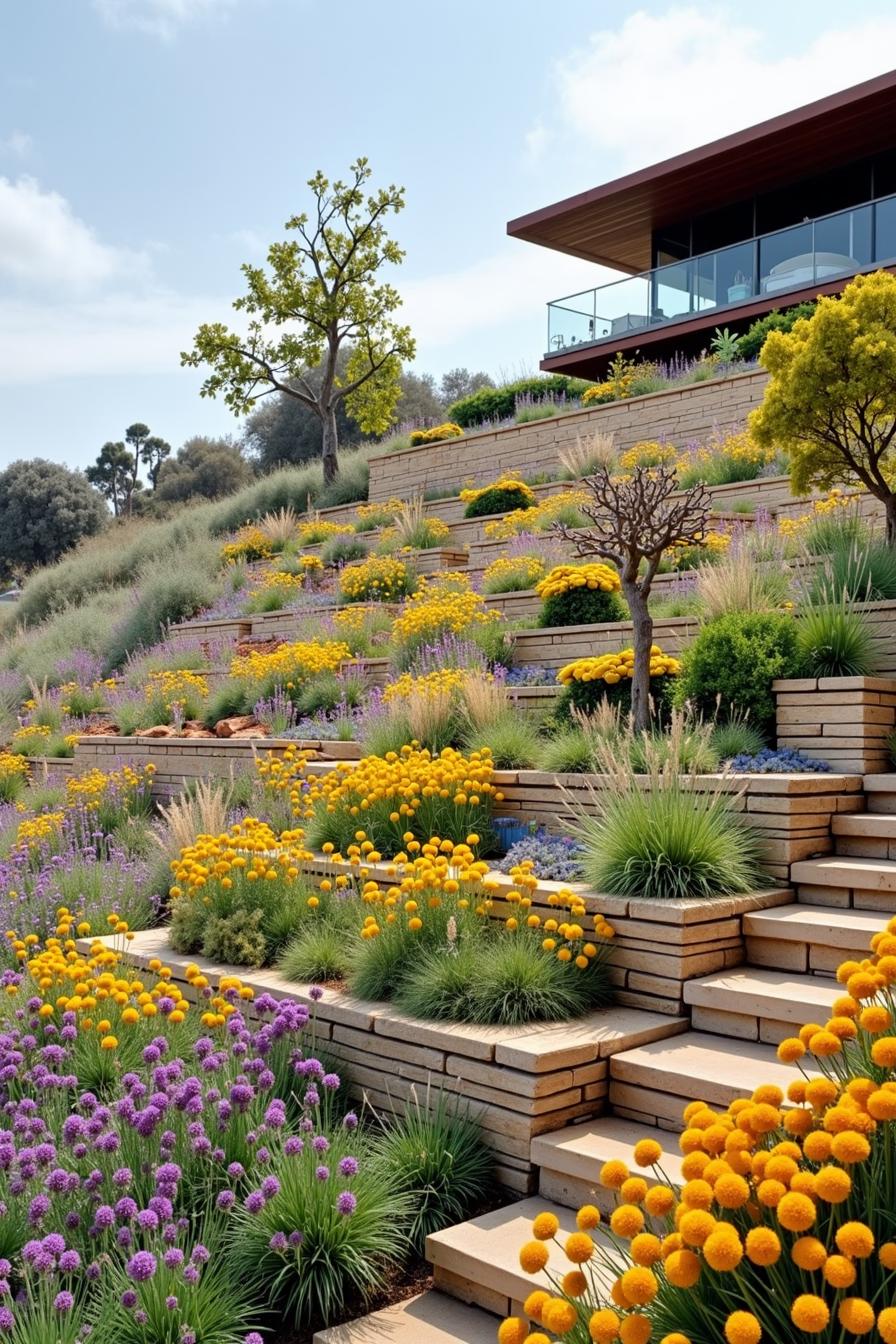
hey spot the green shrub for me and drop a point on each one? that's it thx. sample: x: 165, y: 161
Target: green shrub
x: 500, y: 498
x: 835, y: 642
x: 161, y: 600
x: 732, y: 663
x: 436, y: 1155
x: 736, y: 737
x: 512, y: 737
x: 582, y: 606
x: 751, y: 343
x: 499, y: 403
x: 229, y: 700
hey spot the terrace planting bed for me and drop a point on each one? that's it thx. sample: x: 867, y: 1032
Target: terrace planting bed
x: 517, y: 1081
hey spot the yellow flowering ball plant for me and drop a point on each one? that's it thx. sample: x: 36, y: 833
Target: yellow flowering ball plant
x: 587, y: 681
x: 318, y: 529
x: 444, y: 604
x: 435, y: 434
x: 291, y: 666
x: 710, y: 546
x: 781, y: 1224
x: 173, y: 695
x: 585, y: 594
x: 509, y: 494
x: 237, y: 896
x: 13, y: 776
x: 443, y: 938
x: 376, y: 514
x: 447, y: 794
x: 647, y: 453
x: 380, y: 578
x: 365, y: 629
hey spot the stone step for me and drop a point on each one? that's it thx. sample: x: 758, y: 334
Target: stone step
x: 655, y: 1082
x: 430, y: 1318
x: 860, y: 883
x: 570, y: 1160
x: 479, y: 1261
x: 865, y: 835
x: 808, y: 938
x: 880, y: 793
x: 754, y: 1004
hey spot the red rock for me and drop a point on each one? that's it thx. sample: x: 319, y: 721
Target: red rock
x: 238, y: 722
x: 257, y: 731
x: 159, y: 730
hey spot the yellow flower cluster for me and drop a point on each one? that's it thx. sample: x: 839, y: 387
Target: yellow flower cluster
x: 33, y: 832
x: 12, y: 765
x: 564, y: 937
x: 525, y: 570
x: 31, y: 732
x: 404, y: 780
x: 648, y: 453
x: 443, y: 603
x: 539, y: 518
x: 283, y: 773
x: 95, y: 786
x: 321, y: 529
x: 250, y: 543
x: 833, y: 502
x: 292, y: 664
x: 249, y: 852
x: 611, y: 668
x: 606, y: 391
x: 567, y: 578
x: 171, y: 687
x: 379, y: 514
x: 448, y: 430
x: 521, y: 488
x: 688, y: 554
x: 781, y: 1222
x: 380, y: 578
x: 445, y: 680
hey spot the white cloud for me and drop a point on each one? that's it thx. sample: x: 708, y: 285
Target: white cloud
x: 660, y: 84
x: 44, y: 243
x: 508, y: 286
x: 537, y: 140
x: 158, y: 18
x: 16, y: 145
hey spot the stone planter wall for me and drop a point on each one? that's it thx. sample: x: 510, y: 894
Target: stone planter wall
x: 517, y: 1081
x: 679, y: 414
x: 845, y: 721
x: 557, y: 645
x: 42, y: 766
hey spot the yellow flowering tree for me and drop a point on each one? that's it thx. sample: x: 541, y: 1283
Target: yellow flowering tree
x: 831, y: 399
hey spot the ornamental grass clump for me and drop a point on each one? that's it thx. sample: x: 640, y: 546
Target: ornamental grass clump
x: 446, y: 794
x: 585, y: 594
x: 237, y: 896
x: 781, y: 1227
x: 661, y: 831
x: 380, y: 578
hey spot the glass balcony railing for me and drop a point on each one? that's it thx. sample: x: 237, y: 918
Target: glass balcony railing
x: 769, y: 266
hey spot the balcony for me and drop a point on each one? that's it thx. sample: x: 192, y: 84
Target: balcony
x: 766, y: 269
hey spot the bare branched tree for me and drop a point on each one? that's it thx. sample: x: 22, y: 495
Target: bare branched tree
x: 633, y: 522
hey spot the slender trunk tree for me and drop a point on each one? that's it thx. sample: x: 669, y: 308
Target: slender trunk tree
x: 320, y: 294
x: 632, y: 524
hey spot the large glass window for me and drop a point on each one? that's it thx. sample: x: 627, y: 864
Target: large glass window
x: 843, y: 242
x: 786, y: 260
x: 885, y: 230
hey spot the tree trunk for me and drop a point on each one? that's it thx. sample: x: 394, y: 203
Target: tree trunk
x: 329, y: 446
x: 890, y: 506
x: 642, y: 622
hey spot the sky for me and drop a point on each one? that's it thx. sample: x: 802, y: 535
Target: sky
x: 150, y: 147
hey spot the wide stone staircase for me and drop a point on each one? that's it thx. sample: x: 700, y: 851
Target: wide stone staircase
x: 737, y: 1019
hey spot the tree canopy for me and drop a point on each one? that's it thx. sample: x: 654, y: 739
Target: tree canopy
x: 45, y: 510
x: 203, y: 468
x: 831, y: 400
x: 321, y: 291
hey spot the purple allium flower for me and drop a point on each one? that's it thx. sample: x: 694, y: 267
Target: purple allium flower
x: 296, y: 1238
x: 201, y: 1254
x: 293, y: 1147
x: 141, y: 1266
x: 63, y: 1301
x: 254, y: 1201
x: 322, y: 1173
x: 226, y: 1200
x: 7, y: 1320
x: 129, y: 1299
x: 346, y: 1203
x: 191, y: 1274
x: 320, y: 1143
x: 348, y: 1166
x: 315, y: 993
x: 253, y: 1337
x: 350, y: 1121
x: 69, y: 1261
x: 278, y: 1241
x: 270, y: 1187
x: 173, y: 1257
x: 171, y: 1302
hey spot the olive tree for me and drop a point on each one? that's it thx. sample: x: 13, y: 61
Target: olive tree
x: 321, y: 292
x: 633, y: 522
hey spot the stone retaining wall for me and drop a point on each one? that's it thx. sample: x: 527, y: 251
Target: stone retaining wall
x: 846, y: 721
x: 679, y: 413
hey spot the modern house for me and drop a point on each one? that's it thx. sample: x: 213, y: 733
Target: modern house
x: 761, y: 219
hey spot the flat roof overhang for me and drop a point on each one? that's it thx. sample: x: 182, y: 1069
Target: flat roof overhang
x: 686, y: 336
x: 613, y: 224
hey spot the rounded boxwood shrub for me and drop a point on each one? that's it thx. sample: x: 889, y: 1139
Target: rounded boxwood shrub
x: 730, y: 667
x: 503, y: 496
x: 580, y: 595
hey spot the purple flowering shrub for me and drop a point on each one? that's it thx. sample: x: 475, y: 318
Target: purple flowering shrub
x: 136, y: 1205
x: 555, y: 858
